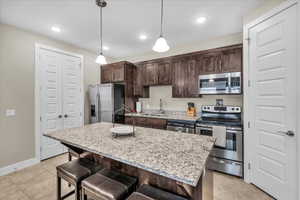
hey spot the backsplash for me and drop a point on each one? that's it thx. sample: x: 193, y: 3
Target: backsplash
x: 180, y: 104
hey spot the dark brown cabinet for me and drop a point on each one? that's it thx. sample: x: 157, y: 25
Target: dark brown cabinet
x: 211, y: 63
x: 164, y: 73
x: 146, y: 122
x: 185, y: 77
x: 150, y: 74
x: 112, y: 73
x: 106, y: 74
x: 232, y: 60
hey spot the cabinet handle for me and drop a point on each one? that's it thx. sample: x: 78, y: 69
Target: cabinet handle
x: 59, y: 116
x: 66, y: 116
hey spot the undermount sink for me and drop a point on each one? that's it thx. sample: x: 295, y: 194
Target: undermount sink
x: 155, y: 114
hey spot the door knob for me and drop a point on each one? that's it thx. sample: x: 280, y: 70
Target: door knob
x: 66, y: 116
x: 59, y: 116
x: 288, y: 133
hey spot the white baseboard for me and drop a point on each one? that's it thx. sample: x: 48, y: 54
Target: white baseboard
x: 18, y: 166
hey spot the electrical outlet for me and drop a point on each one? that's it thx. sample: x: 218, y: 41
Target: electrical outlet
x: 10, y: 112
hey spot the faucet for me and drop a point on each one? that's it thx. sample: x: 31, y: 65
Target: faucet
x: 160, y: 106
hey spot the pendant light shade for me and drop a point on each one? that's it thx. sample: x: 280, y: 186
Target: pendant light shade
x: 101, y: 58
x: 161, y: 44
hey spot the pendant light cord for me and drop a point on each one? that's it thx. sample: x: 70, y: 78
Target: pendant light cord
x: 101, y: 48
x: 161, y: 18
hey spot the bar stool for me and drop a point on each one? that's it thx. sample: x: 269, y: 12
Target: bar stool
x: 108, y: 185
x: 74, y: 172
x: 147, y: 192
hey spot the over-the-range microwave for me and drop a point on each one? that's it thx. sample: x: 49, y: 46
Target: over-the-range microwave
x: 225, y: 83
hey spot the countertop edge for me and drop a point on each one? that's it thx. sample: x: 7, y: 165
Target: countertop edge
x: 192, y: 183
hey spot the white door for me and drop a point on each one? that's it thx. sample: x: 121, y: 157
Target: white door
x: 60, y: 97
x: 51, y: 104
x: 272, y: 56
x: 71, y: 83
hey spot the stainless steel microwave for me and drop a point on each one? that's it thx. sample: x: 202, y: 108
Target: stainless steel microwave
x: 226, y: 83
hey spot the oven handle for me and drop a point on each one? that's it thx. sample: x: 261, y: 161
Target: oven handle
x: 234, y: 132
x: 205, y: 128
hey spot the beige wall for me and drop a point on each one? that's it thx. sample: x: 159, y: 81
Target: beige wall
x: 165, y: 92
x: 17, y: 47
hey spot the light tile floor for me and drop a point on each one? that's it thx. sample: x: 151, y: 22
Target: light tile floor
x: 39, y: 183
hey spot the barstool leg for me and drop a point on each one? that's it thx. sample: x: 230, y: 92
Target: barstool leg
x: 58, y: 188
x: 70, y: 159
x: 77, y: 192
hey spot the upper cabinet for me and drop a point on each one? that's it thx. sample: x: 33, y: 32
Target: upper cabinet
x: 112, y: 73
x: 232, y: 60
x: 180, y: 71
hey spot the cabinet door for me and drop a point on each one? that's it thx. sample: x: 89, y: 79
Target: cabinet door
x: 191, y: 77
x: 140, y: 121
x: 118, y: 72
x: 157, y: 123
x: 164, y: 73
x: 211, y: 63
x: 179, y: 73
x: 106, y: 74
x: 128, y: 120
x: 151, y: 74
x: 138, y: 81
x: 232, y: 60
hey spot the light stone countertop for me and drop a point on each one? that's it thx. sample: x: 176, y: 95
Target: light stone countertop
x: 178, y: 156
x: 164, y: 116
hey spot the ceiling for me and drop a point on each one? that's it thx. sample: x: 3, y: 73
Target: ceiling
x: 125, y: 20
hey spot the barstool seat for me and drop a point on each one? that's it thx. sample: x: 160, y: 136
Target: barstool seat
x: 147, y: 192
x: 74, y: 172
x: 109, y: 185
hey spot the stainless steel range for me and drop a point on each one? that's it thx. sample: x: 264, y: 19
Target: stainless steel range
x: 224, y: 123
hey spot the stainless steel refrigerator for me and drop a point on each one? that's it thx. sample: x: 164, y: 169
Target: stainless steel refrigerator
x: 105, y: 99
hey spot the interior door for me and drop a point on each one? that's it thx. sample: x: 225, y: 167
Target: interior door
x: 272, y: 68
x: 71, y: 93
x: 51, y: 104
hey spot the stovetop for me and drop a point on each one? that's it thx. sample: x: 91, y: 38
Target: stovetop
x: 218, y: 122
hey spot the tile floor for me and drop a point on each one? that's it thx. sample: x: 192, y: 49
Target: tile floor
x: 39, y: 183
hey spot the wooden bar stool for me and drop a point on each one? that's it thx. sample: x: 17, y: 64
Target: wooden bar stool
x: 108, y: 185
x: 74, y: 172
x: 147, y: 192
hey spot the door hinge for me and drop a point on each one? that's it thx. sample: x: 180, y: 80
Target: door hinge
x: 249, y: 83
x: 247, y: 39
x: 249, y: 166
x: 40, y: 118
x: 248, y: 124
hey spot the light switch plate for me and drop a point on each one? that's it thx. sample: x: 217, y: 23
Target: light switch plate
x: 10, y: 112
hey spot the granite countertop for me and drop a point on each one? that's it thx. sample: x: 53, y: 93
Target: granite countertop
x: 178, y: 156
x: 173, y: 116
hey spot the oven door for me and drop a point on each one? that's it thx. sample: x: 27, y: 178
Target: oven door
x: 234, y: 146
x: 234, y: 143
x: 214, y: 84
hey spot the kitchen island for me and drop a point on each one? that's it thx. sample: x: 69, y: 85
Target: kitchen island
x: 169, y: 160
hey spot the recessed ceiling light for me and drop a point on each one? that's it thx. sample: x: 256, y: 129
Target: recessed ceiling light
x: 55, y: 29
x: 143, y: 37
x: 201, y: 20
x: 105, y: 48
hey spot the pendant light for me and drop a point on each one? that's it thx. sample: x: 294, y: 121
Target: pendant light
x: 161, y: 44
x: 101, y: 58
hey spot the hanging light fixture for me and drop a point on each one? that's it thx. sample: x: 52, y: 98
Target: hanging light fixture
x: 101, y: 58
x: 161, y: 44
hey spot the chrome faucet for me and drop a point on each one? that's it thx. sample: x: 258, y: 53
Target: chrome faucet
x: 160, y: 106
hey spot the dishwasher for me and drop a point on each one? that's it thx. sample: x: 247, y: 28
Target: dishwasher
x: 183, y: 126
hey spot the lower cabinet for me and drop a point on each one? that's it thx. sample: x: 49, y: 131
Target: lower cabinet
x: 146, y: 122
